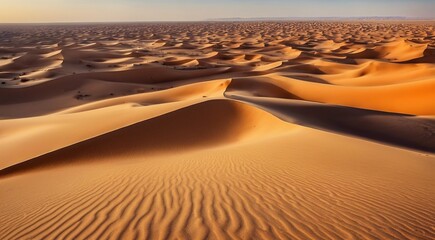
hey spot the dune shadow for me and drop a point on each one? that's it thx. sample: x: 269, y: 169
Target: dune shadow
x: 397, y: 129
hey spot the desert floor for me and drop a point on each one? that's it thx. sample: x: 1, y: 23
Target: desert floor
x: 280, y: 130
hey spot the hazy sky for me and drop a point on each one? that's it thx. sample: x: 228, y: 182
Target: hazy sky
x: 174, y: 10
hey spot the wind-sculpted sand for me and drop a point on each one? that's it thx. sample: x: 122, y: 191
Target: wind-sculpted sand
x: 280, y: 130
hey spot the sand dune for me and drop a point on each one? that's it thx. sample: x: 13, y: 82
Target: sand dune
x: 167, y: 133
x: 402, y: 130
x: 395, y: 51
x: 414, y: 98
x: 239, y: 191
x: 256, y: 130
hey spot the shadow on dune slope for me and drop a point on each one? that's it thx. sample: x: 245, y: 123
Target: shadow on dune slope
x: 208, y: 124
x: 397, y: 129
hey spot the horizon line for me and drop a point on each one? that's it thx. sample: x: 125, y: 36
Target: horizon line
x: 236, y: 19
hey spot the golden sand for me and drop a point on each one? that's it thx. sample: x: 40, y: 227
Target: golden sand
x: 284, y: 130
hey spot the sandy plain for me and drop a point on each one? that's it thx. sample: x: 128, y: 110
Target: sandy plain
x: 279, y: 130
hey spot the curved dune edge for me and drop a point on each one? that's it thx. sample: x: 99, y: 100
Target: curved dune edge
x: 404, y: 131
x: 414, y: 98
x: 105, y: 116
x: 195, y: 125
x: 55, y: 129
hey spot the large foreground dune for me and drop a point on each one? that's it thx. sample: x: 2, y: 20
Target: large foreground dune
x: 309, y: 130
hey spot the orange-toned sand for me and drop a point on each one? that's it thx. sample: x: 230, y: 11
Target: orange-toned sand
x: 297, y: 130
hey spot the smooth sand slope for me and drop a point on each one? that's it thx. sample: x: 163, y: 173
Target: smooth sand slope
x: 218, y: 131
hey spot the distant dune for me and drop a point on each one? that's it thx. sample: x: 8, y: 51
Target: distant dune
x: 361, y: 18
x: 242, y: 130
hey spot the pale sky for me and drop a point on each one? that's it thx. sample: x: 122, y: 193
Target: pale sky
x: 17, y: 11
